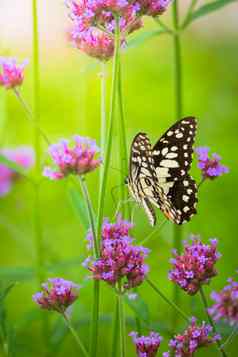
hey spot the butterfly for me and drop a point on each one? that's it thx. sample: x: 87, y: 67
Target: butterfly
x: 158, y: 175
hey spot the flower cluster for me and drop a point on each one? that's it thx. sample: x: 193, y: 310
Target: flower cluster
x: 78, y: 160
x: 210, y: 167
x: 12, y: 74
x: 226, y: 303
x: 146, y: 346
x: 196, y: 266
x: 120, y: 260
x: 193, y: 338
x: 57, y: 294
x: 23, y: 156
x: 95, y: 22
x: 116, y: 230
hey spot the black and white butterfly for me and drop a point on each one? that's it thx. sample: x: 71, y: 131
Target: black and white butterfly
x: 159, y: 175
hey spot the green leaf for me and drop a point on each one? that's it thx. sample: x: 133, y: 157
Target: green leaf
x: 209, y: 8
x: 6, y: 291
x: 78, y: 205
x: 140, y: 308
x: 12, y: 165
x: 16, y: 273
x: 15, y: 167
x: 143, y: 37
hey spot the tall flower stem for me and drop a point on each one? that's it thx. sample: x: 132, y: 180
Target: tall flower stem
x: 103, y: 113
x: 3, y: 116
x: 178, y: 114
x: 102, y: 189
x: 76, y: 336
x: 122, y: 324
x: 171, y: 303
x: 204, y: 300
x: 39, y: 246
x: 90, y: 214
x: 107, y: 157
x: 123, y: 146
x: 115, y: 330
x: 30, y: 116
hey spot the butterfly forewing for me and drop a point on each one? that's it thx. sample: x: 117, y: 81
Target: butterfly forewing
x: 172, y: 156
x: 143, y: 182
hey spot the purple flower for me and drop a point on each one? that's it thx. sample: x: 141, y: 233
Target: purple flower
x: 57, y: 294
x: 120, y: 260
x: 226, y: 303
x: 196, y: 266
x: 193, y: 338
x: 93, y: 42
x: 210, y: 167
x: 117, y: 230
x: 23, y: 156
x: 78, y: 160
x: 94, y: 22
x: 12, y: 75
x: 146, y: 346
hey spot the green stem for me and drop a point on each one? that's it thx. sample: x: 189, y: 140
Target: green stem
x: 103, y: 108
x: 103, y: 184
x: 30, y: 116
x: 121, y: 323
x: 178, y: 114
x: 115, y: 330
x: 37, y: 146
x: 107, y: 158
x: 163, y: 25
x: 177, y: 63
x: 204, y: 300
x: 188, y: 16
x: 95, y: 318
x: 171, y: 303
x: 76, y: 336
x: 123, y: 147
x: 3, y: 116
x: 90, y: 214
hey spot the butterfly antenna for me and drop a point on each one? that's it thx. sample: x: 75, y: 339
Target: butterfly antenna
x: 156, y: 230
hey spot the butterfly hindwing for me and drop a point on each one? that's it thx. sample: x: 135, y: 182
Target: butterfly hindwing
x: 172, y: 156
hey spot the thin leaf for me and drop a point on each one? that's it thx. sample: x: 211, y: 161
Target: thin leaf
x: 6, y: 291
x: 12, y: 165
x: 143, y: 37
x: 140, y: 308
x: 15, y: 167
x: 209, y: 8
x: 16, y: 273
x: 79, y: 206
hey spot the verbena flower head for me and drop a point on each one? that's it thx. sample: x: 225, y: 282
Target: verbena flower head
x: 23, y: 156
x: 195, y: 266
x: 94, y: 43
x: 120, y: 261
x: 78, y: 158
x: 226, y: 303
x: 11, y: 73
x: 88, y: 15
x: 117, y: 230
x: 146, y: 346
x: 193, y: 338
x: 210, y: 166
x: 57, y: 294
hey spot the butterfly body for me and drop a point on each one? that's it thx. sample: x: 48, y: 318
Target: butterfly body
x: 159, y: 176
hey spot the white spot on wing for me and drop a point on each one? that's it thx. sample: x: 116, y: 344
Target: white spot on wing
x: 169, y: 163
x: 171, y: 155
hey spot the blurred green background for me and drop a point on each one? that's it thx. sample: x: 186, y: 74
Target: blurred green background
x: 70, y: 103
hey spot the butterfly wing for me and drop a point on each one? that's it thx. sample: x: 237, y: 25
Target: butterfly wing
x: 172, y: 156
x: 143, y: 183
